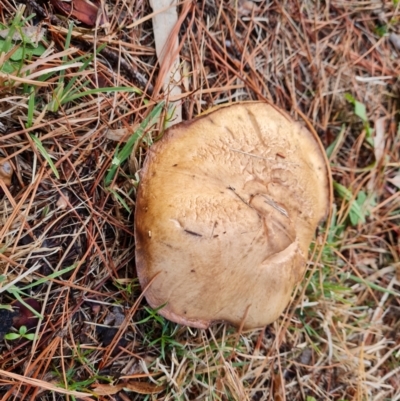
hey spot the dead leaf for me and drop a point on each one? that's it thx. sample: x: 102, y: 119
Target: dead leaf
x: 107, y: 389
x: 367, y: 261
x: 395, y: 180
x: 247, y: 7
x: 137, y: 387
x: 144, y: 388
x: 62, y: 202
x: 83, y: 10
x: 33, y: 34
x: 114, y: 317
x: 120, y: 134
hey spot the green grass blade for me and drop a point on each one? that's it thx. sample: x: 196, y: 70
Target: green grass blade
x: 100, y: 90
x: 14, y: 291
x: 332, y: 149
x: 85, y: 64
x: 120, y: 200
x: 31, y: 109
x: 44, y: 153
x: 372, y: 285
x: 120, y: 157
x: 66, y: 47
x: 49, y: 277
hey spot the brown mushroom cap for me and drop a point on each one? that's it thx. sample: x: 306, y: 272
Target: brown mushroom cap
x: 227, y: 206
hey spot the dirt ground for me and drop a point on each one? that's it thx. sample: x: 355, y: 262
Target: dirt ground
x: 73, y: 324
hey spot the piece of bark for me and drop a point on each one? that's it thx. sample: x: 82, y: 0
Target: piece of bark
x: 379, y: 139
x: 167, y: 48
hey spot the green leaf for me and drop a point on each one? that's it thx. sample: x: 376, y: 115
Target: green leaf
x: 12, y: 336
x: 356, y: 214
x: 23, y: 330
x: 26, y: 52
x: 381, y: 30
x: 14, y: 25
x: 30, y: 336
x: 361, y: 111
x: 361, y: 198
x: 355, y: 218
x: 9, y: 67
x: 44, y: 153
x: 349, y: 98
x: 359, y: 108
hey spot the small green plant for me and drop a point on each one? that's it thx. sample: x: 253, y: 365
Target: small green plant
x: 381, y: 30
x: 165, y: 339
x: 359, y: 207
x: 126, y: 285
x: 75, y: 88
x: 82, y: 355
x: 153, y: 315
x: 22, y: 333
x: 81, y: 385
x: 18, y: 43
x: 361, y: 111
x: 70, y: 378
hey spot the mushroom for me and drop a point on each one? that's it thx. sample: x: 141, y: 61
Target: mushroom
x: 227, y: 206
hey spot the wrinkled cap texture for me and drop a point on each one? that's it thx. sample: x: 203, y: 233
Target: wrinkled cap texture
x: 227, y: 206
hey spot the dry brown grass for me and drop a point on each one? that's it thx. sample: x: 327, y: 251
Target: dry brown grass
x: 339, y: 339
